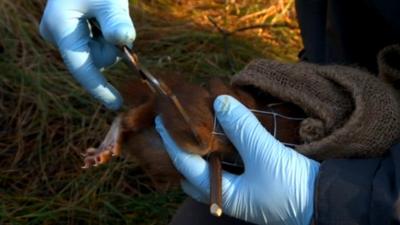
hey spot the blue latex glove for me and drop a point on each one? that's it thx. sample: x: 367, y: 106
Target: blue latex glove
x: 277, y: 186
x: 65, y: 25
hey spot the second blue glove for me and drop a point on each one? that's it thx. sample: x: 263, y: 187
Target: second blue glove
x: 278, y: 184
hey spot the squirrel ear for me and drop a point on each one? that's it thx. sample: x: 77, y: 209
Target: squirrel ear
x: 389, y: 65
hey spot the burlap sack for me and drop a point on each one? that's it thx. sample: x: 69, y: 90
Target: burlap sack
x: 351, y: 112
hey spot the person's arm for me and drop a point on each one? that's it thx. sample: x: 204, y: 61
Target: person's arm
x: 65, y: 24
x: 281, y: 186
x: 359, y: 191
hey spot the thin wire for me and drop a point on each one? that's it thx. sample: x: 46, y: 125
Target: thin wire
x: 275, y: 115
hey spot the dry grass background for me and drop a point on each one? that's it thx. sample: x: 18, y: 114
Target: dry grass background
x: 47, y: 120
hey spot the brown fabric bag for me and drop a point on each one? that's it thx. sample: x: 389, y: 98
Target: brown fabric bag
x: 351, y: 112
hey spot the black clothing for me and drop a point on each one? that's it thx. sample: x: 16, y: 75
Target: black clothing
x: 352, y: 191
x: 348, y: 32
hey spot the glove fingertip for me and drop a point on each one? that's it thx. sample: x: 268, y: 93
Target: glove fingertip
x: 121, y: 34
x: 114, y: 105
x: 222, y: 103
x: 170, y: 145
x: 228, y: 109
x: 109, y: 96
x: 158, y: 122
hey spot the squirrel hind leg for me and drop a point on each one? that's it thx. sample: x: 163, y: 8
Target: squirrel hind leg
x: 109, y: 147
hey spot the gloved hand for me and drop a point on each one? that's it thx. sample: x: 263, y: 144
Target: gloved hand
x: 277, y: 186
x: 65, y: 25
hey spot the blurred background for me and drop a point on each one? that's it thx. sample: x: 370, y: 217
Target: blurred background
x: 47, y: 120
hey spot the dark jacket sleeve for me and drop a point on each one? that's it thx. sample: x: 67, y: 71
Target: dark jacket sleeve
x: 358, y: 191
x: 332, y: 33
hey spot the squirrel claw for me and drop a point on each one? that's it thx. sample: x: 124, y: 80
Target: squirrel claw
x: 108, y: 148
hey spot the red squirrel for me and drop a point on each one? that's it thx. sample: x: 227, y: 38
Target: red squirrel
x: 133, y: 134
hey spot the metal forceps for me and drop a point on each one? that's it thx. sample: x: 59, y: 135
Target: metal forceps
x: 158, y: 86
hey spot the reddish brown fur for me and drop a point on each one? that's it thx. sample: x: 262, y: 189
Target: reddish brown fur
x: 140, y: 140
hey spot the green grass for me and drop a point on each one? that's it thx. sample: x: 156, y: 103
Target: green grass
x: 47, y: 120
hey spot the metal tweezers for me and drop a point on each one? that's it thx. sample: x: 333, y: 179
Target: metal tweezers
x: 158, y: 86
